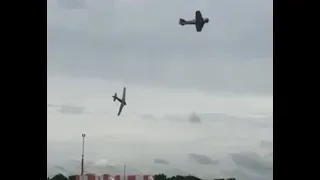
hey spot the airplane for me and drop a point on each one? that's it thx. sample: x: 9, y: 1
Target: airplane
x: 122, y: 101
x: 199, y: 21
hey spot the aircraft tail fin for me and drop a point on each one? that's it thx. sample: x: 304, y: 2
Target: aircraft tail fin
x: 182, y: 22
x: 114, y: 97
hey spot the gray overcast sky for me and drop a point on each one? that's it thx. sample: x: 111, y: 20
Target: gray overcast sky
x: 142, y: 42
x: 96, y: 47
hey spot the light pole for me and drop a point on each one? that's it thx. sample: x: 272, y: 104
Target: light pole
x: 83, y: 136
x: 124, y: 172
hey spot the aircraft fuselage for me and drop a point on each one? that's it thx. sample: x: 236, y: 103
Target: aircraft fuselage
x: 121, y: 101
x: 199, y: 22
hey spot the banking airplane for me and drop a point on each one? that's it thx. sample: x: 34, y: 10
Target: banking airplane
x: 122, y: 101
x: 199, y: 21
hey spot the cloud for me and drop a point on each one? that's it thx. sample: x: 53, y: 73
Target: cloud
x: 264, y: 122
x: 203, y: 118
x: 66, y: 109
x: 61, y: 169
x: 69, y: 109
x: 160, y: 161
x: 202, y: 159
x: 266, y: 144
x: 270, y: 155
x: 254, y: 164
x: 148, y: 117
x: 195, y: 119
x: 72, y: 4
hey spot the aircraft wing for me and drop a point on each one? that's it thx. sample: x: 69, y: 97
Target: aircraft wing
x: 124, y: 94
x: 120, y: 109
x: 199, y: 16
x: 199, y: 27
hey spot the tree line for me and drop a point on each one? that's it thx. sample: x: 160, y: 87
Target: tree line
x: 156, y: 177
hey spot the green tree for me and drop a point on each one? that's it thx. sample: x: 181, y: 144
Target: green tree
x: 178, y: 177
x: 160, y: 177
x: 59, y: 177
x: 191, y: 178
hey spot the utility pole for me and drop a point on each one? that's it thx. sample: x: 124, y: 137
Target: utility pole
x: 124, y: 172
x: 83, y: 136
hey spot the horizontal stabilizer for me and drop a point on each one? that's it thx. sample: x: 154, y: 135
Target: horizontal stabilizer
x: 182, y: 21
x: 114, y: 97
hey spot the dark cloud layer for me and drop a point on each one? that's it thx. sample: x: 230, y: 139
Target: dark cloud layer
x: 202, y: 159
x: 160, y: 161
